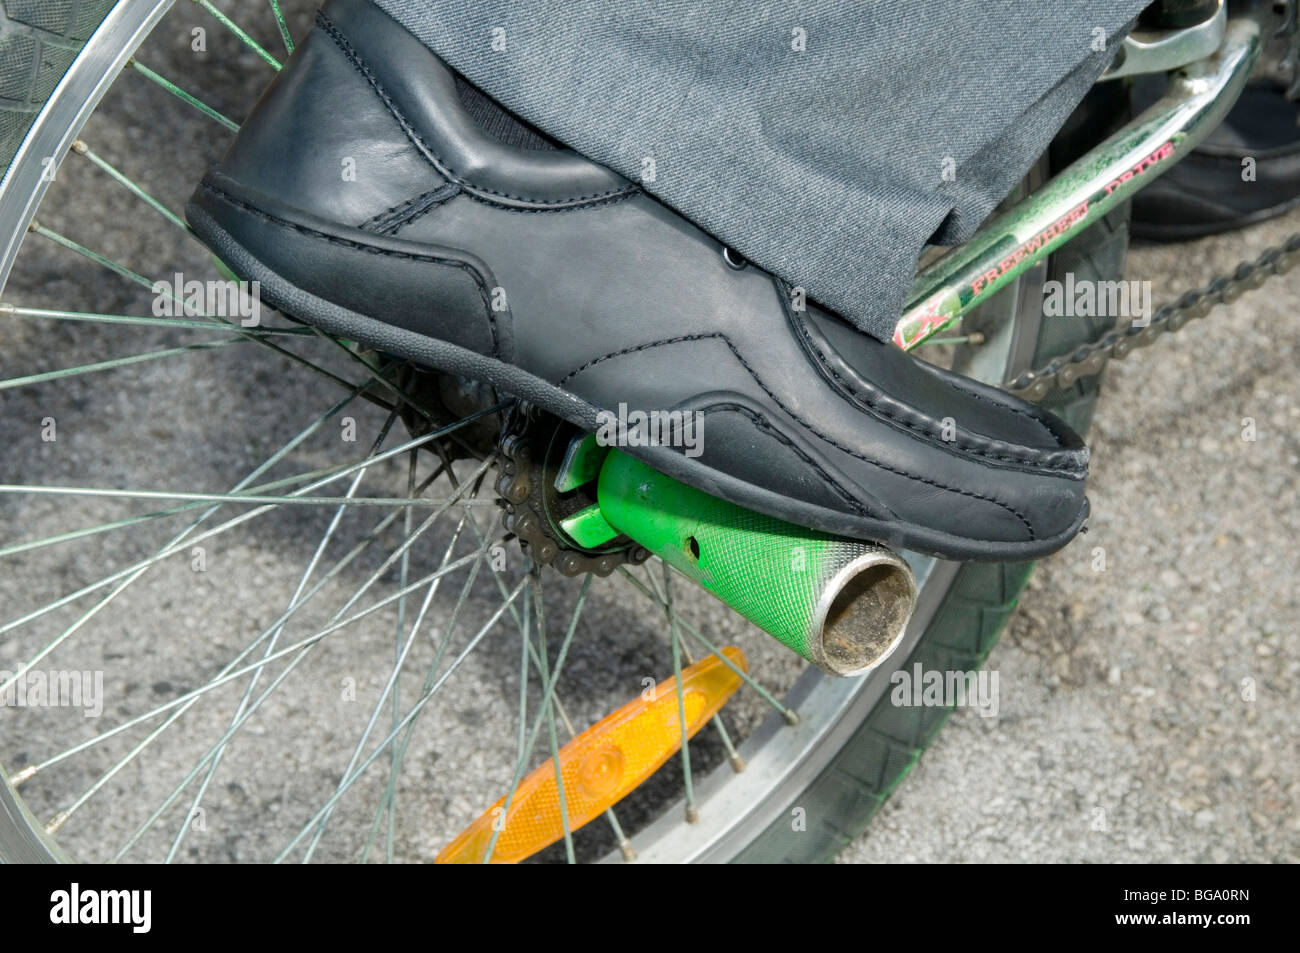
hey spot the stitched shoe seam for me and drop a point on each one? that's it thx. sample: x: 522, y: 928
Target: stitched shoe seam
x: 353, y: 57
x: 394, y: 215
x: 1067, y: 468
x: 760, y: 420
x: 984, y: 398
x: 858, y: 397
x: 1029, y: 528
x: 371, y: 249
x: 595, y: 203
x: 483, y: 293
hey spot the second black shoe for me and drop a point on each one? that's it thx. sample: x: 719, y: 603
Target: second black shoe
x: 375, y: 195
x: 1246, y: 171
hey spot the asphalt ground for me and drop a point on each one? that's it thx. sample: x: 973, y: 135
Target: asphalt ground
x: 1147, y: 709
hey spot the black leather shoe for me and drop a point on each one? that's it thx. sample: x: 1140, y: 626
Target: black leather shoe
x: 1246, y: 171
x: 468, y: 243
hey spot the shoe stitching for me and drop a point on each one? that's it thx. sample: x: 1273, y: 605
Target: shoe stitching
x: 618, y: 194
x: 925, y: 431
x: 393, y: 227
x: 984, y: 398
x: 622, y: 197
x: 762, y: 423
x: 371, y: 249
x: 333, y: 239
x: 333, y: 32
x: 1029, y: 528
x: 799, y: 327
x: 392, y: 218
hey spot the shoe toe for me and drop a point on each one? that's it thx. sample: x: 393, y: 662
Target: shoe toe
x: 947, y: 453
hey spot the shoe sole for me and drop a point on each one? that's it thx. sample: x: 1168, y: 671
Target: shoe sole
x: 306, y: 307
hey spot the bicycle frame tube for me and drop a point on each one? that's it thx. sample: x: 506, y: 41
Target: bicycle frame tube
x: 1199, y: 97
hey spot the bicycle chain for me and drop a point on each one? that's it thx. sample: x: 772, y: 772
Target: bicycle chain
x: 521, y: 483
x: 1089, y: 359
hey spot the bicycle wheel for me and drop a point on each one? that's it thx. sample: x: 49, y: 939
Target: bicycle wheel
x: 334, y: 653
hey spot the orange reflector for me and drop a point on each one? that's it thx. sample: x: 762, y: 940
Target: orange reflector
x: 600, y: 766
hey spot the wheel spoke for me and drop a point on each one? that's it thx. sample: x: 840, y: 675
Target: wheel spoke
x: 624, y: 845
x: 692, y: 813
x: 167, y: 706
x: 539, y: 609
x: 284, y: 27
x: 410, y: 716
x: 390, y: 800
x: 733, y: 757
x: 390, y: 687
x: 113, y: 364
x: 9, y: 310
x: 127, y: 273
x: 261, y: 488
x: 292, y: 500
x: 300, y: 647
x: 177, y: 545
x: 548, y: 694
x: 338, y: 567
x: 275, y: 636
x: 131, y: 574
x: 335, y: 625
x: 80, y: 148
x: 789, y: 714
x: 378, y: 372
x: 181, y: 94
x: 234, y: 28
x: 443, y: 643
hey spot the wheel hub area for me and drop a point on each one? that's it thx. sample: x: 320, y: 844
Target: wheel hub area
x: 543, y: 488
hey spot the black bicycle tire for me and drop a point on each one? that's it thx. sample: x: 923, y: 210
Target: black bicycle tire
x: 38, y: 41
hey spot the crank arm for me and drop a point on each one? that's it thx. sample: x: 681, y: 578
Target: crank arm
x: 1198, y: 99
x: 1159, y: 51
